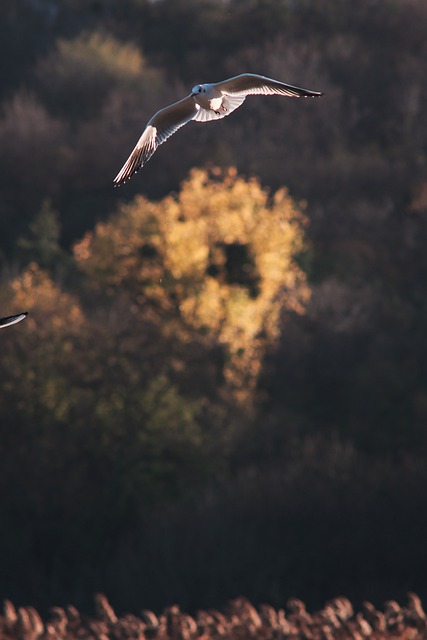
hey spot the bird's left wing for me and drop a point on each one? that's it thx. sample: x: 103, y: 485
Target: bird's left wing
x: 6, y: 322
x: 248, y: 84
x: 161, y: 126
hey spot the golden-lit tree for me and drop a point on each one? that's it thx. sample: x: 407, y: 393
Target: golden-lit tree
x: 219, y: 256
x: 72, y: 386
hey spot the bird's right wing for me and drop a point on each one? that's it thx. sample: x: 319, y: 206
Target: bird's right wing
x: 6, y: 322
x: 248, y: 84
x: 161, y: 126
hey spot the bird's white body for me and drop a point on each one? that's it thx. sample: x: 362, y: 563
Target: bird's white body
x: 208, y: 97
x: 209, y: 101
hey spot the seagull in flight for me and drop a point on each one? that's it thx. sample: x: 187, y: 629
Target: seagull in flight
x: 211, y: 101
x: 6, y: 322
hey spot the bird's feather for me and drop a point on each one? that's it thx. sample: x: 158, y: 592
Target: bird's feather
x: 206, y: 115
x: 248, y: 84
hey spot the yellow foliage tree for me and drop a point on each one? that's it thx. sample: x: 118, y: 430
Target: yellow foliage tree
x: 220, y: 255
x: 105, y: 53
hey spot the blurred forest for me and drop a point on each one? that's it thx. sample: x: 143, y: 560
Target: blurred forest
x: 221, y: 387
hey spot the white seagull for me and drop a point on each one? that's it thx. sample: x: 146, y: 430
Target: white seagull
x: 210, y: 101
x: 6, y: 322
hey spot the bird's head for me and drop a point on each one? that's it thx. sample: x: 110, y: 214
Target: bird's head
x: 198, y: 89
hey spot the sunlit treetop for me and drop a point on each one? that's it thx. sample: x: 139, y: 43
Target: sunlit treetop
x: 220, y: 252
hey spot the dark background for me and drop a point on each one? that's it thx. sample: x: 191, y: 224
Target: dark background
x: 315, y: 485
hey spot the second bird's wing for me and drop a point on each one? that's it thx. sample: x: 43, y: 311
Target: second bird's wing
x: 6, y: 322
x: 161, y: 126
